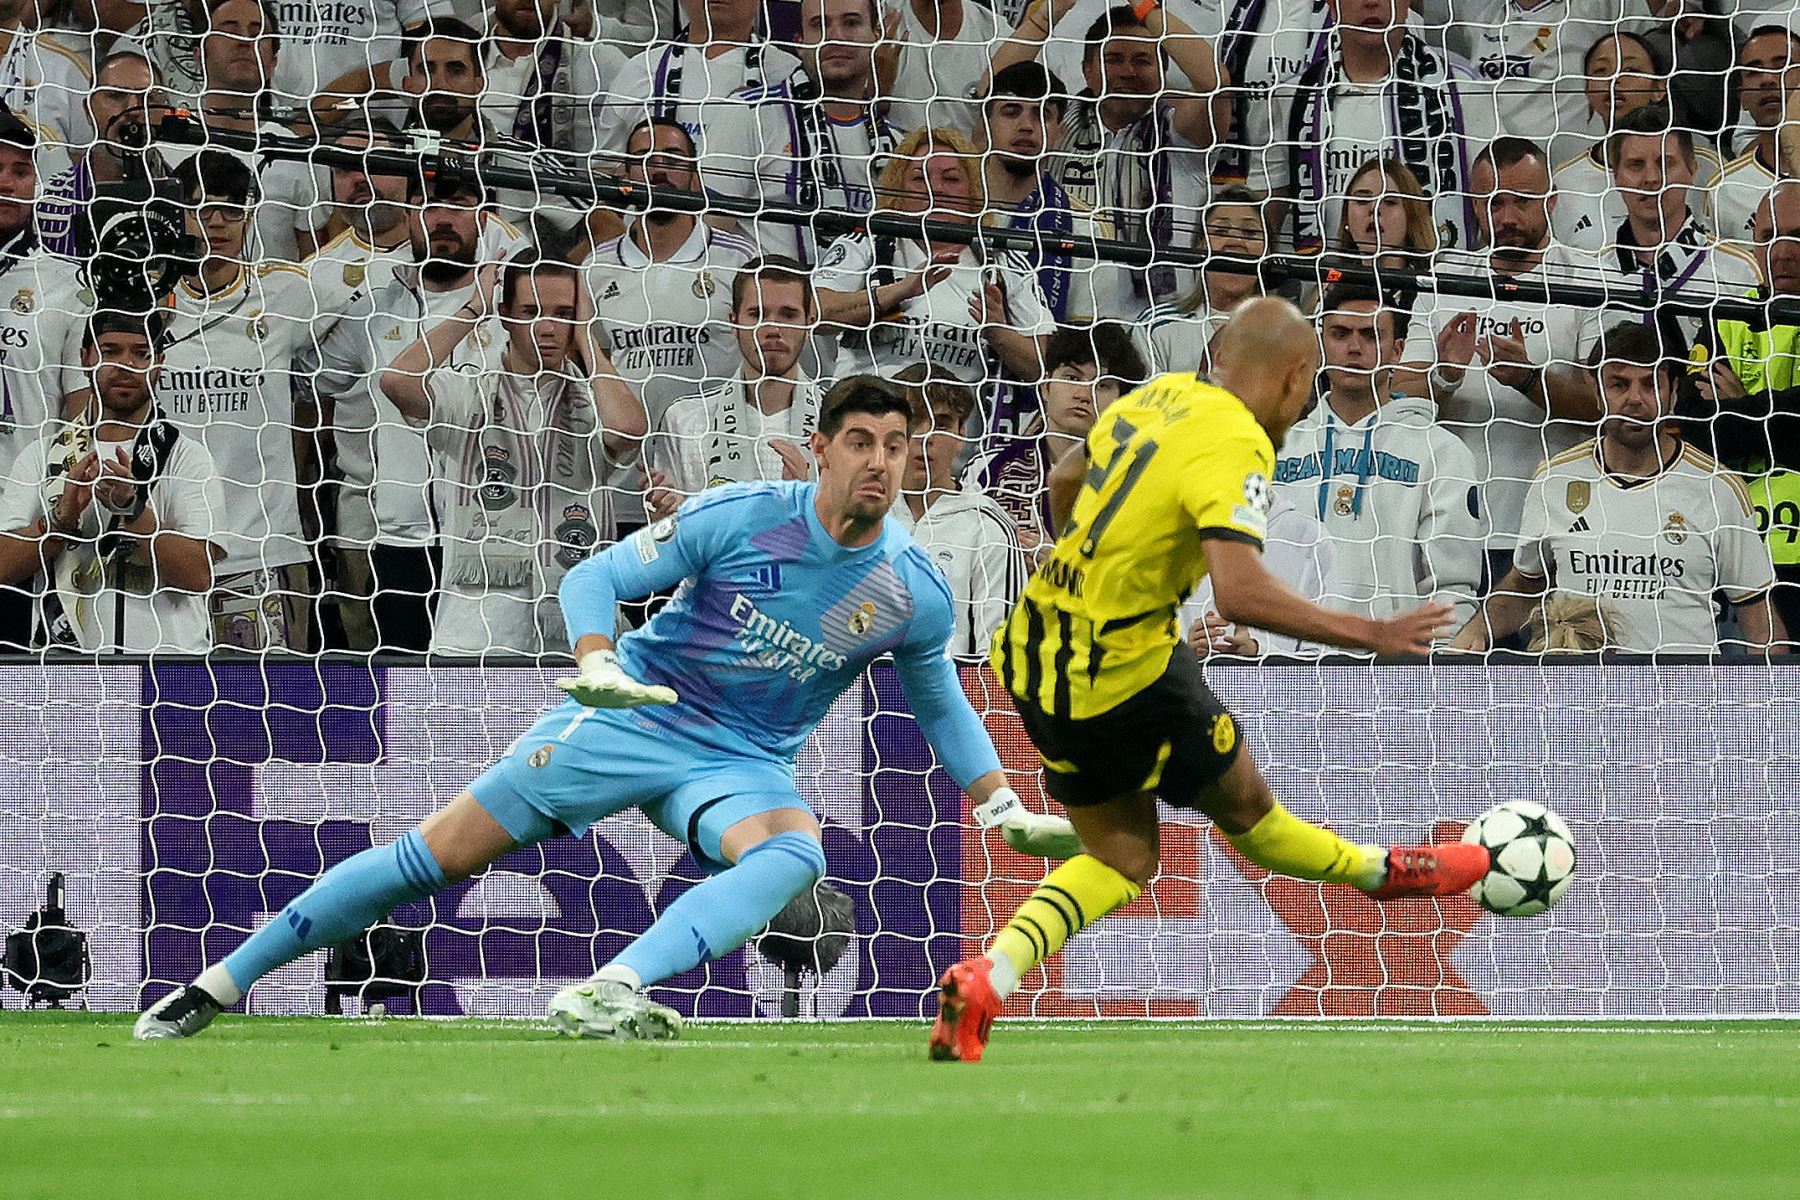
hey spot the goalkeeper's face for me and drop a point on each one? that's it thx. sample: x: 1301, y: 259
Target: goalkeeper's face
x: 861, y: 465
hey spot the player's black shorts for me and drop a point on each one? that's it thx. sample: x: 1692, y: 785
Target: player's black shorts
x: 1173, y: 738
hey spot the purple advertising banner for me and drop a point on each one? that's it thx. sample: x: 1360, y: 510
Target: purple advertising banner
x: 186, y: 803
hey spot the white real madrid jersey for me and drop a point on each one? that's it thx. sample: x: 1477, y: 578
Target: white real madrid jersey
x: 43, y: 308
x: 227, y: 380
x: 1652, y: 551
x: 667, y: 325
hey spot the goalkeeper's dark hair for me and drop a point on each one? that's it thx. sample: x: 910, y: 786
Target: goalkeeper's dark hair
x: 862, y: 394
x: 214, y: 172
x: 1509, y: 151
x: 775, y: 269
x: 152, y: 326
x: 1639, y: 344
x: 1107, y: 347
x: 1394, y: 303
x: 1121, y: 20
x: 1652, y: 120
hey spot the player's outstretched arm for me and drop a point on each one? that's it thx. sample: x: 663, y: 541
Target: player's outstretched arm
x: 1247, y: 594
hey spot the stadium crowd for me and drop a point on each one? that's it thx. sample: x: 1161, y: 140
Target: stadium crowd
x: 373, y: 403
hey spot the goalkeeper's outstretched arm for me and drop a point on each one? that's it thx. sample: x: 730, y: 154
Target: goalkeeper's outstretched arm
x: 955, y: 732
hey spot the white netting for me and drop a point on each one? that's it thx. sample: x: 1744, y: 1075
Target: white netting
x: 384, y: 444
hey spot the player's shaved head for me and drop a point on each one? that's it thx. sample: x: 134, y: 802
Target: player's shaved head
x: 1266, y: 356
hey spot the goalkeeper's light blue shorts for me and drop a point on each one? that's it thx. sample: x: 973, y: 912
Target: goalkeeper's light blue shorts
x: 578, y: 765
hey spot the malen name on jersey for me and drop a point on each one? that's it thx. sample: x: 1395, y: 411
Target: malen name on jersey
x: 778, y: 645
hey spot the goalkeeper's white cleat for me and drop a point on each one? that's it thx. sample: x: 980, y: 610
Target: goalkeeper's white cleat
x: 610, y: 1009
x: 603, y: 683
x: 182, y: 1013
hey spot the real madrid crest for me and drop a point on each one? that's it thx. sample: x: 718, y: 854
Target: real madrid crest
x: 25, y: 301
x: 863, y: 619
x: 257, y: 327
x: 1675, y: 529
x: 1345, y: 503
x: 541, y: 756
x: 1580, y: 492
x: 703, y: 285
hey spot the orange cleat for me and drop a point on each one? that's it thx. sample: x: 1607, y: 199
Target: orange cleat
x: 1444, y: 869
x: 967, y: 1006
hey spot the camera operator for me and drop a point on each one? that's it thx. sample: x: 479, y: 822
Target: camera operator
x: 116, y: 521
x: 120, y: 152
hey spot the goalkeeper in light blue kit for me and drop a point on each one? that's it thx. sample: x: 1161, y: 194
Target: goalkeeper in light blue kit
x: 788, y: 591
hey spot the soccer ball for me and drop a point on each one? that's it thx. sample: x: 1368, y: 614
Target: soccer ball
x: 1534, y: 858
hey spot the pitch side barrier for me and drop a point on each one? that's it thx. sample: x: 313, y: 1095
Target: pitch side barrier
x: 186, y: 800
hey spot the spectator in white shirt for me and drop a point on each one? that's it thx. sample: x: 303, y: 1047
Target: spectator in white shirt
x: 1662, y: 247
x: 117, y: 516
x: 1507, y: 374
x: 945, y: 47
x: 516, y: 416
x: 815, y: 139
x: 1623, y: 75
x: 1378, y: 90
x: 1132, y: 144
x: 692, y: 79
x: 759, y: 424
x: 907, y: 300
x: 964, y: 532
x: 1768, y: 69
x: 1175, y: 336
x: 1639, y: 522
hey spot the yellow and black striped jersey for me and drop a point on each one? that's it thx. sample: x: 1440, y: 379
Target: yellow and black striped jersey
x: 1170, y: 465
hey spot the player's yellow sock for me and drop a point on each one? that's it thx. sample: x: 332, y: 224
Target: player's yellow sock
x: 1071, y: 898
x: 1283, y: 842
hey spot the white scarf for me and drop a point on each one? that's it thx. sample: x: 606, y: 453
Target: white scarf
x: 736, y: 444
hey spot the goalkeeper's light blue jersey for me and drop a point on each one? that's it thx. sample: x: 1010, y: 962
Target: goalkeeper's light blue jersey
x: 773, y: 619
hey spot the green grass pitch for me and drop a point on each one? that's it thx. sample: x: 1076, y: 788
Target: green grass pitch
x: 260, y: 1107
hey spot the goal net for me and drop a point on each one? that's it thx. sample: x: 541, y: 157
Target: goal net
x: 435, y: 301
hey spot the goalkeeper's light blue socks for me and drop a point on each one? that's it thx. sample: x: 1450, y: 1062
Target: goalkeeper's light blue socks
x: 713, y: 918
x: 345, y: 901
x: 722, y: 913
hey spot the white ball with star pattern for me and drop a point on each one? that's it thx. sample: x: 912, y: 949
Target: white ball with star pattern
x: 1534, y: 858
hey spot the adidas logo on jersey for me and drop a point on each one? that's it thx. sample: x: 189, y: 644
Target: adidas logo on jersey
x: 1580, y: 526
x: 612, y: 290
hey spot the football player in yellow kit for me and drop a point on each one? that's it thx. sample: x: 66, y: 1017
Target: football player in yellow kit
x: 1174, y: 485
